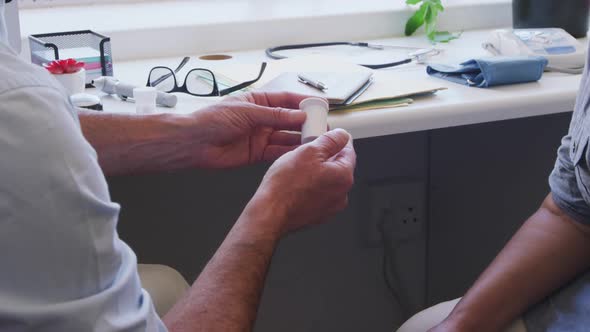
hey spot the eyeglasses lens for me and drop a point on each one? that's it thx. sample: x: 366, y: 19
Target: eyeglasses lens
x: 200, y: 82
x: 162, y: 79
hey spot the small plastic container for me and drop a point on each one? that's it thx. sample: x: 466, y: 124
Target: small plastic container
x: 74, y: 83
x: 316, y: 123
x: 145, y: 100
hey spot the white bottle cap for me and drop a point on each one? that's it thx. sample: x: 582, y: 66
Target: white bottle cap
x: 145, y: 100
x: 316, y: 123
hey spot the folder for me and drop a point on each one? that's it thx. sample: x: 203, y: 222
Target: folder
x: 385, y: 91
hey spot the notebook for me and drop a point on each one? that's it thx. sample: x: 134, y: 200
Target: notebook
x: 342, y: 87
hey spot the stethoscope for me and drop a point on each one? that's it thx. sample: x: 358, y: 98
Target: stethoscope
x: 419, y: 55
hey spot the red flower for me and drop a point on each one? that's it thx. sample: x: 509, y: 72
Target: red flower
x: 67, y: 66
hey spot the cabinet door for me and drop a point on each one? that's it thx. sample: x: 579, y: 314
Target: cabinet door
x: 486, y: 180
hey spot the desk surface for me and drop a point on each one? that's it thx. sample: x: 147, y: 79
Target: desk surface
x: 456, y: 106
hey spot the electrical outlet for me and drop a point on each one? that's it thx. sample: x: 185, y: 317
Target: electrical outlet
x: 394, y: 221
x: 407, y: 220
x: 395, y: 206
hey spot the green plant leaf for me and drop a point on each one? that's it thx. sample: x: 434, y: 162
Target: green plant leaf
x: 417, y: 20
x: 427, y: 15
x: 430, y: 21
x: 434, y: 3
x: 443, y: 36
x: 439, y: 7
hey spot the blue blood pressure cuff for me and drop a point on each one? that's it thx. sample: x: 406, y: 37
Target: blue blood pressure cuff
x: 487, y: 72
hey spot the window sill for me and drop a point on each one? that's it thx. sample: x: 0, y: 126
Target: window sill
x: 172, y: 28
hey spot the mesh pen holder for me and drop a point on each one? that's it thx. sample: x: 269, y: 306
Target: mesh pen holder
x: 87, y: 46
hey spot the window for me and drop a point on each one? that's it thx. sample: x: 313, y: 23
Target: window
x: 241, y: 24
x: 50, y: 3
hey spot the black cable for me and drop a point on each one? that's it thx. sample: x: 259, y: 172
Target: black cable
x: 271, y: 52
x: 386, y: 265
x: 386, y: 257
x: 428, y: 216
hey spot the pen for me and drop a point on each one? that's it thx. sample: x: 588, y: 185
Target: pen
x: 316, y: 84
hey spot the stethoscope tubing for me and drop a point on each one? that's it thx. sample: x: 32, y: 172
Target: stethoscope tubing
x: 271, y: 52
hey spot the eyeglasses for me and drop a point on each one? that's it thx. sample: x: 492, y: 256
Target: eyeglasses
x: 198, y: 82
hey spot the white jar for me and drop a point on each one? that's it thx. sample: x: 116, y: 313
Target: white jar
x: 74, y: 83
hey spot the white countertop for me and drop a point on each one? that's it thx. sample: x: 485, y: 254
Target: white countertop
x: 458, y: 105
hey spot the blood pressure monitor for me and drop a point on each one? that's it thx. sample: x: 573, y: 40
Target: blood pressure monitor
x: 561, y: 49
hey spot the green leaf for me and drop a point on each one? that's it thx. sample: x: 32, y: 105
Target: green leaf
x: 427, y: 15
x: 416, y: 21
x: 433, y: 3
x: 443, y: 36
x: 430, y: 21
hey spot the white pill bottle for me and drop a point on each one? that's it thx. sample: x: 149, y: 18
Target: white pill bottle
x: 316, y: 123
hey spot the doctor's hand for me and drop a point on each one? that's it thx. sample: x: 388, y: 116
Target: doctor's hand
x: 308, y: 185
x: 246, y: 129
